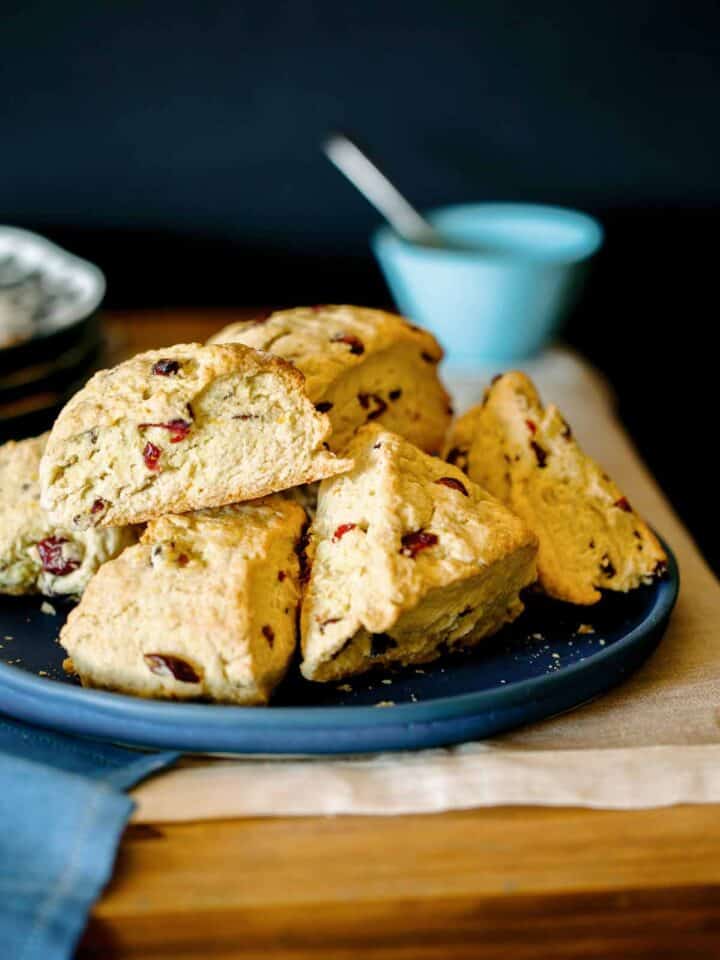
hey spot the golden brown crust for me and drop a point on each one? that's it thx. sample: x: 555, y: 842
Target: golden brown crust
x: 525, y: 454
x: 204, y: 606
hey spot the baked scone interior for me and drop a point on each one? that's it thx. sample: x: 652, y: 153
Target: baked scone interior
x: 360, y: 366
x: 225, y: 424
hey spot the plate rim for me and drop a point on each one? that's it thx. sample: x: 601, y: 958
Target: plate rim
x: 147, y: 710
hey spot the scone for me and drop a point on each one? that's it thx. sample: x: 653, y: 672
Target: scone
x: 205, y: 606
x: 37, y: 556
x: 182, y: 429
x: 360, y: 365
x: 409, y: 559
x: 590, y: 537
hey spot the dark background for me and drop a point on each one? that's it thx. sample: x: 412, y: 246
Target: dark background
x: 175, y: 143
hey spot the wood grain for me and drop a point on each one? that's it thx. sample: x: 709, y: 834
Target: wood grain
x: 130, y: 332
x: 517, y: 883
x: 520, y: 882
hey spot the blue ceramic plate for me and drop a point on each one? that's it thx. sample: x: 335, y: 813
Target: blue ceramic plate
x: 545, y: 663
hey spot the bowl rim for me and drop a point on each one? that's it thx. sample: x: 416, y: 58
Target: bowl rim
x: 384, y: 238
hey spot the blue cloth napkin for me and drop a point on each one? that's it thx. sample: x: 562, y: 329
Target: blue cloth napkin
x: 62, y: 812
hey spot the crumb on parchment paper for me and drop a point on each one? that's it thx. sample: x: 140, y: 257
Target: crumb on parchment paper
x: 385, y: 703
x: 48, y: 608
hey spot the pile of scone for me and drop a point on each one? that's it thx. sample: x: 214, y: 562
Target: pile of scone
x: 177, y: 494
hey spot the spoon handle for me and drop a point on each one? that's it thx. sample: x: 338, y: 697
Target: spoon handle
x: 376, y: 188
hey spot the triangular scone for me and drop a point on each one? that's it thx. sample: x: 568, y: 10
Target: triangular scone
x: 525, y: 454
x: 37, y: 556
x: 204, y: 606
x: 360, y: 366
x: 181, y: 429
x: 409, y: 559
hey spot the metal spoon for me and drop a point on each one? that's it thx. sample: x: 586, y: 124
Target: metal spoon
x: 382, y: 194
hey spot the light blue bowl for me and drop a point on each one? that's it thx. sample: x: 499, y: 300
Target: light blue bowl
x: 503, y: 301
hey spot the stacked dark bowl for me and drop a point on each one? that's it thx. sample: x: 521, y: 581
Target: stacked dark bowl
x: 50, y: 338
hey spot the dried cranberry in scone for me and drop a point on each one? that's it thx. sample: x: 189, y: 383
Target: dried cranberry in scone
x: 413, y: 543
x: 165, y: 368
x: 540, y: 454
x: 342, y: 530
x: 178, y: 428
x: 372, y: 402
x: 59, y: 556
x: 356, y: 345
x: 458, y: 457
x: 167, y: 664
x: 453, y: 484
x: 151, y: 455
